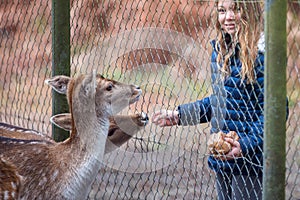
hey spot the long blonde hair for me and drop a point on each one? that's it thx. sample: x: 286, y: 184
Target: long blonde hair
x: 246, y: 38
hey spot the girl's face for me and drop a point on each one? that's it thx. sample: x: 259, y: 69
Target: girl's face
x: 229, y: 16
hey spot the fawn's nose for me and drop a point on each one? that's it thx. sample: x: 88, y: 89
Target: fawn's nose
x: 144, y: 118
x: 137, y: 90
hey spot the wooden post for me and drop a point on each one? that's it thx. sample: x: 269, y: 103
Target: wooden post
x: 275, y: 99
x: 60, y: 58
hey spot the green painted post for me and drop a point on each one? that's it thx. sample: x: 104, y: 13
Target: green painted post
x: 60, y: 58
x: 275, y: 99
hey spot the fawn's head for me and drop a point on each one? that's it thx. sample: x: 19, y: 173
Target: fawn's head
x: 118, y: 95
x: 93, y: 95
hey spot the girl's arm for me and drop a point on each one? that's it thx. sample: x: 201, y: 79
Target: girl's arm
x: 186, y: 114
x: 195, y: 113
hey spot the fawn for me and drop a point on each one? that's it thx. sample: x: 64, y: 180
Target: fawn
x: 65, y: 170
x: 121, y: 129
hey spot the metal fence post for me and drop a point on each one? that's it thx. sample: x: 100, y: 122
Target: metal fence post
x: 275, y: 99
x: 60, y: 58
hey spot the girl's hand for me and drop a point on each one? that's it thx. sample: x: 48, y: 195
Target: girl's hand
x: 165, y: 118
x: 235, y: 152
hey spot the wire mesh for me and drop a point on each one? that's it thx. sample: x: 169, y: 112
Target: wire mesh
x: 163, y: 46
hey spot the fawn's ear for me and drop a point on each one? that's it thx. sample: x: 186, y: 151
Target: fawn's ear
x: 90, y: 84
x: 62, y: 120
x: 58, y: 83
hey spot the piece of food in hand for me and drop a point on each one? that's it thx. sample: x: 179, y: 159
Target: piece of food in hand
x: 217, y: 146
x: 233, y: 135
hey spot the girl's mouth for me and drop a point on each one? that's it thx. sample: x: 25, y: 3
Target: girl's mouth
x: 230, y: 26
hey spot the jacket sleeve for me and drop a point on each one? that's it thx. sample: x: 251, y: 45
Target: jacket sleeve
x: 195, y: 112
x: 252, y: 141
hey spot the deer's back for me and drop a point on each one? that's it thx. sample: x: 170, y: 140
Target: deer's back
x: 11, y: 131
x: 34, y: 162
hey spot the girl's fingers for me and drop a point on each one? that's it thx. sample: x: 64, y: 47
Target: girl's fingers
x: 229, y: 140
x: 162, y: 123
x: 165, y: 118
x: 157, y: 118
x: 233, y: 142
x: 235, y: 151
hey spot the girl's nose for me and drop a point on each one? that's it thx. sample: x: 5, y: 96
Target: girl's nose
x: 230, y: 14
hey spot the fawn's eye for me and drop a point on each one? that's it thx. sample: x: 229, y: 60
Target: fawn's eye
x: 109, y: 87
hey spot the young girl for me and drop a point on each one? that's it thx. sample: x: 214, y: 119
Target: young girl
x: 236, y: 104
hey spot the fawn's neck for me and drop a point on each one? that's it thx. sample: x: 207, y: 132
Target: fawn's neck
x: 85, y: 166
x: 87, y: 142
x: 81, y: 178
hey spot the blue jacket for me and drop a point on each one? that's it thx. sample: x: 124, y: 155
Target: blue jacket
x: 233, y: 106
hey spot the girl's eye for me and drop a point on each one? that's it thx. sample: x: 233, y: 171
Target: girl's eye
x: 221, y: 11
x: 237, y: 9
x: 234, y: 10
x: 109, y: 87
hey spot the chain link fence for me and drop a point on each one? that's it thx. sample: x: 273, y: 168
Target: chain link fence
x: 163, y: 46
